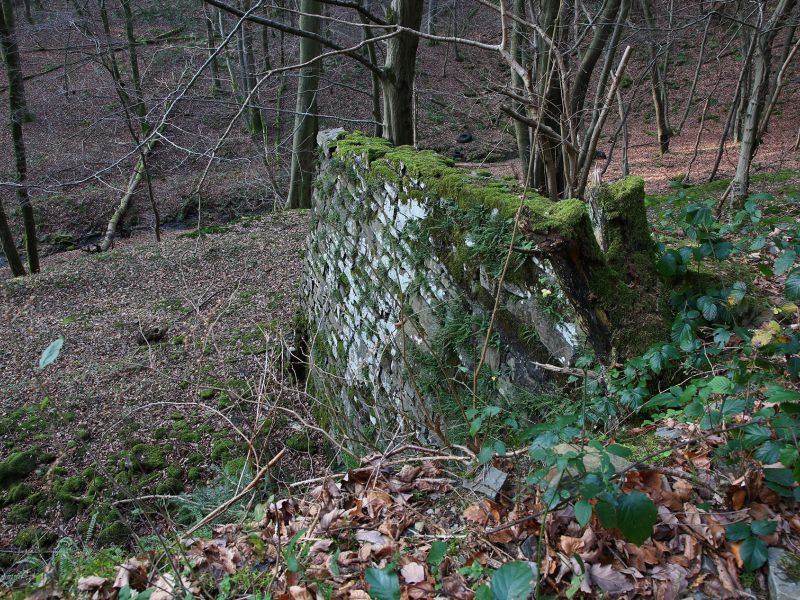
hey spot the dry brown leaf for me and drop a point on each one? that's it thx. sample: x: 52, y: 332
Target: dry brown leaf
x: 413, y: 572
x: 610, y: 580
x: 683, y: 489
x: 91, y: 583
x: 483, y: 513
x: 300, y: 593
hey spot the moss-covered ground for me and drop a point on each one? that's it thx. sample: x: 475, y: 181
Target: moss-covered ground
x: 112, y: 419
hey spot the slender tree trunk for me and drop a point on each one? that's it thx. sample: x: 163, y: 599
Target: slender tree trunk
x: 656, y: 84
x: 9, y: 246
x: 521, y: 130
x: 265, y: 49
x: 306, y: 124
x: 399, y: 72
x: 248, y: 64
x: 758, y: 95
x: 375, y: 78
x: 216, y: 86
x: 18, y: 113
x: 139, y: 106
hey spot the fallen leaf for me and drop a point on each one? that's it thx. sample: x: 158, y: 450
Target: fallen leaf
x: 610, y: 580
x: 93, y: 582
x: 413, y: 572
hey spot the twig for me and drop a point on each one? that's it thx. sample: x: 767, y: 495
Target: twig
x: 221, y: 509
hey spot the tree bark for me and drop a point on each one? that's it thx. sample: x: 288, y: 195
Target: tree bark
x: 758, y: 94
x: 139, y: 107
x: 399, y: 71
x: 9, y: 246
x: 216, y: 86
x: 656, y: 85
x: 306, y: 123
x: 521, y: 130
x: 18, y: 113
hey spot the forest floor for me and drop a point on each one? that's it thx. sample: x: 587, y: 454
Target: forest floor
x: 160, y: 378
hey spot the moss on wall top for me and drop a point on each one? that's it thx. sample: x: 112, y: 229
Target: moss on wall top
x: 442, y: 178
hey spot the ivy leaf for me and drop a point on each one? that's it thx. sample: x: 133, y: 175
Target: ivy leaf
x: 583, y: 512
x: 753, y: 553
x: 51, y: 353
x: 637, y: 516
x: 383, y: 584
x: 736, y: 532
x: 512, y: 581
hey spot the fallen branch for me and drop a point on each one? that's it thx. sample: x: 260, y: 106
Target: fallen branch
x: 223, y: 508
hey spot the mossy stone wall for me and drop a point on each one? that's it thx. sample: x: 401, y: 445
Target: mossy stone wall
x: 398, y: 287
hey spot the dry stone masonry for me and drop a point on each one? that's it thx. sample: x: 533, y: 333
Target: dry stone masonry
x: 399, y: 284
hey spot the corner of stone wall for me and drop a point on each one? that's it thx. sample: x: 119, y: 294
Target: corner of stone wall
x: 399, y: 283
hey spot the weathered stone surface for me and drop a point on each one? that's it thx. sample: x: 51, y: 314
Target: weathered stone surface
x: 781, y: 584
x: 384, y: 286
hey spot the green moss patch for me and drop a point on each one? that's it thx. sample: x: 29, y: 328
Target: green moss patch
x: 147, y: 457
x: 17, y: 466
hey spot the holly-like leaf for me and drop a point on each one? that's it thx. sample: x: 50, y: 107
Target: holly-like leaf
x: 51, y: 353
x: 753, y: 553
x: 383, y: 584
x: 512, y: 581
x: 636, y: 517
x: 583, y: 512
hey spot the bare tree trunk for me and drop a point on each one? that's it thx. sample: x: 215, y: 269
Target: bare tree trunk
x: 139, y: 106
x: 247, y: 63
x: 399, y: 72
x: 267, y: 62
x: 18, y: 113
x: 375, y: 78
x: 758, y: 95
x: 522, y: 130
x: 696, y: 78
x: 656, y: 84
x: 9, y: 246
x: 306, y: 123
x: 216, y: 85
x: 430, y: 18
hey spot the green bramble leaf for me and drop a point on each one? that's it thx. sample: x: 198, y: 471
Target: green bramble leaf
x: 637, y: 515
x: 512, y: 581
x: 753, y: 552
x: 583, y: 512
x: 383, y: 584
x: 736, y: 532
